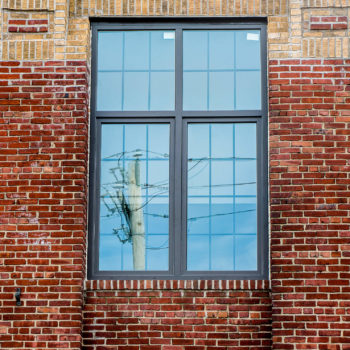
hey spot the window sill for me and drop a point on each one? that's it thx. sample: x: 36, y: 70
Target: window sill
x: 177, y: 284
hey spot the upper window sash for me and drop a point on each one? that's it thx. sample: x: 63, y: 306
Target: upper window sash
x: 216, y: 70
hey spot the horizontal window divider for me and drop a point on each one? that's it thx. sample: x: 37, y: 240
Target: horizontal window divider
x: 136, y: 70
x: 129, y: 159
x: 222, y: 234
x: 247, y: 115
x: 222, y: 196
x: 172, y: 70
x: 135, y: 114
x: 221, y: 158
x: 215, y: 114
x: 220, y: 70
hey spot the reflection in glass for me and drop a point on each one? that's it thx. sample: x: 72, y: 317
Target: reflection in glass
x: 221, y: 70
x: 222, y: 190
x: 136, y: 70
x: 134, y: 197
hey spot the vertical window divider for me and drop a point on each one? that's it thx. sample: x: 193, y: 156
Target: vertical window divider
x: 234, y: 72
x: 210, y: 193
x: 179, y: 150
x: 149, y: 70
x: 123, y: 73
x: 234, y: 194
x: 208, y: 69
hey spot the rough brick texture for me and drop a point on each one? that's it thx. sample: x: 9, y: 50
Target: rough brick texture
x: 309, y: 187
x: 43, y: 163
x: 179, y: 315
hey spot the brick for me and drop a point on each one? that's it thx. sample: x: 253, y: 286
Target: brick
x: 323, y: 26
x: 339, y: 26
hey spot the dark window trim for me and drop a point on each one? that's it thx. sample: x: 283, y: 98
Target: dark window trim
x: 178, y: 152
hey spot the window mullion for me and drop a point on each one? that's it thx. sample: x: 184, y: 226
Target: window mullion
x: 178, y: 256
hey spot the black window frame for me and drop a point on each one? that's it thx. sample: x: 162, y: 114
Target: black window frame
x: 177, y: 120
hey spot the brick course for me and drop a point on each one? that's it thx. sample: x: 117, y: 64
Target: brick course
x: 328, y: 22
x: 172, y: 315
x: 28, y: 26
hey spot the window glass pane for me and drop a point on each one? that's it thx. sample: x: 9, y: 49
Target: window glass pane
x: 222, y: 252
x: 245, y: 174
x: 195, y: 91
x: 221, y: 196
x: 136, y: 50
x: 162, y: 91
x: 245, y: 215
x: 245, y: 132
x: 158, y: 140
x: 222, y: 205
x: 245, y: 253
x: 198, y: 207
x: 198, y: 177
x: 198, y: 253
x: 221, y: 90
x: 134, y: 197
x: 221, y: 70
x: 248, y: 49
x: 110, y: 85
x: 110, y: 44
x: 198, y: 164
x: 162, y: 50
x: 136, y: 70
x: 248, y: 92
x: 195, y: 50
x: 221, y: 177
x: 158, y: 244
x: 222, y: 140
x: 222, y: 49
x: 136, y: 94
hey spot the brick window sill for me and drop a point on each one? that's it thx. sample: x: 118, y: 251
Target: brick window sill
x: 177, y: 284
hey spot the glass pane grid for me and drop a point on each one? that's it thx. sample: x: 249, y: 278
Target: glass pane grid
x: 142, y: 77
x: 132, y: 146
x: 206, y: 86
x: 216, y: 224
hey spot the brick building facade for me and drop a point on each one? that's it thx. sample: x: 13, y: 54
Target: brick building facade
x: 44, y: 127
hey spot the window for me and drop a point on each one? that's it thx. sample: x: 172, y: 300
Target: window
x: 178, y: 166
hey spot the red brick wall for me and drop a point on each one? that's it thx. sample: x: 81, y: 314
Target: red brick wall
x: 309, y: 188
x: 43, y: 168
x: 43, y: 181
x: 177, y: 315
